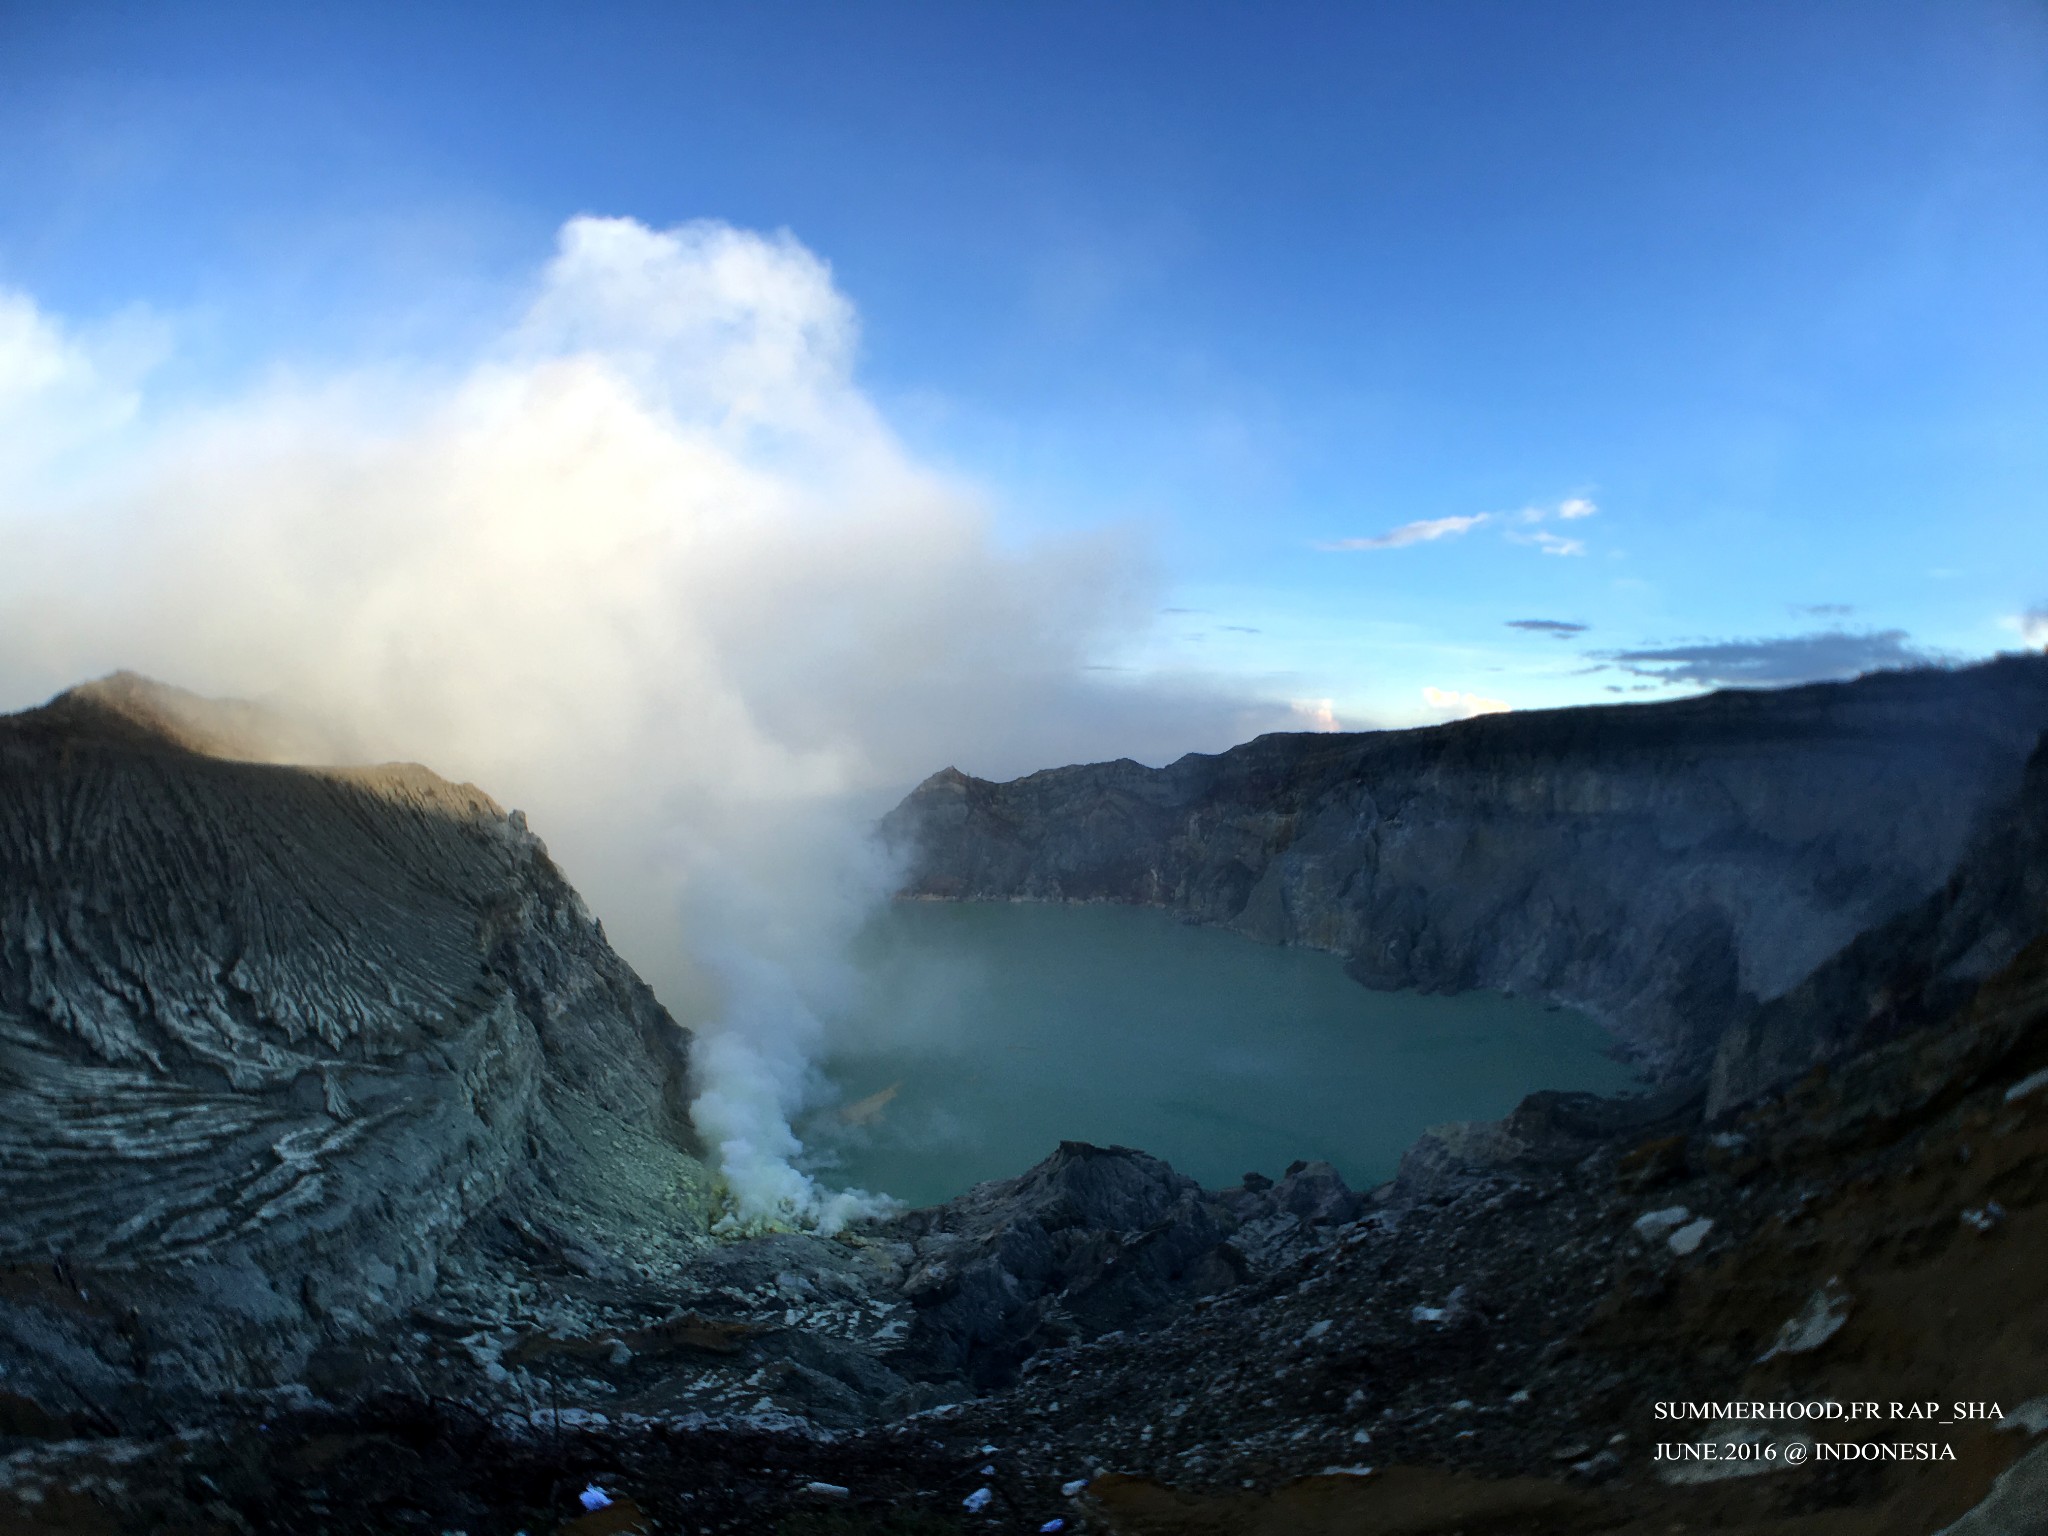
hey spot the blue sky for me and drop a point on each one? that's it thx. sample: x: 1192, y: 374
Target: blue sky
x: 1764, y: 286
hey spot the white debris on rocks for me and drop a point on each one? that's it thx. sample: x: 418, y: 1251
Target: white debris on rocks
x: 1453, y: 1305
x: 1687, y: 1239
x: 2033, y: 1082
x: 1656, y: 1224
x: 1983, y: 1218
x: 1813, y: 1324
x: 2032, y: 1416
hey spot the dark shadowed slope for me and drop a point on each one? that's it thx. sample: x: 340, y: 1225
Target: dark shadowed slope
x: 269, y: 1037
x: 1666, y: 867
x: 1920, y: 966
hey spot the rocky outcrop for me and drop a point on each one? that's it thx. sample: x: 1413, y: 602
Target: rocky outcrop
x: 1920, y: 966
x: 1667, y: 867
x: 1092, y: 1241
x: 271, y: 1038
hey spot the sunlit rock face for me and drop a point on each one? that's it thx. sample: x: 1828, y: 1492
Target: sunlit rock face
x: 269, y: 1037
x: 1666, y: 867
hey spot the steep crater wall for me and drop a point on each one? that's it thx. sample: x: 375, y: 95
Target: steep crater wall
x: 269, y: 1038
x: 1669, y: 868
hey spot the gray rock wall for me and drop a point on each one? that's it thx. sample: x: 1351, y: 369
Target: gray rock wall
x: 1912, y: 970
x: 1665, y: 867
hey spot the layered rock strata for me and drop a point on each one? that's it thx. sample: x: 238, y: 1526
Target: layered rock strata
x: 270, y: 1039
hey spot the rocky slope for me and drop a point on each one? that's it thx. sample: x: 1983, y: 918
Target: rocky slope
x: 1479, y: 1347
x: 270, y: 1039
x: 1916, y: 968
x: 1668, y: 867
x: 1493, y: 1339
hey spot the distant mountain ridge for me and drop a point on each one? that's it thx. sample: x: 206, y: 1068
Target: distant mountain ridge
x: 147, y: 713
x: 1670, y: 868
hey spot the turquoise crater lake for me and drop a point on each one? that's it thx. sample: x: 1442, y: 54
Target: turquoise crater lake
x: 984, y: 1033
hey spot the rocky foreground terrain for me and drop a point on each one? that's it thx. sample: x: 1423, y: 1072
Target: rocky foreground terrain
x: 348, y: 1187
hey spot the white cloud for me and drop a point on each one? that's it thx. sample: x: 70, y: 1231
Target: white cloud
x: 1429, y: 530
x: 2033, y: 626
x: 1424, y: 532
x: 62, y: 389
x: 1461, y: 706
x: 653, y: 568
x: 1316, y: 714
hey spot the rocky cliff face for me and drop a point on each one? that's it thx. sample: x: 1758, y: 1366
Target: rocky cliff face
x: 270, y: 1038
x: 1669, y: 868
x: 1907, y: 972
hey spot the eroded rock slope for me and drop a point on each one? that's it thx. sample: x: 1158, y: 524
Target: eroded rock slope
x: 270, y: 1037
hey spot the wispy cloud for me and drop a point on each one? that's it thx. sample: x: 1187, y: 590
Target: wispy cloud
x: 1550, y: 543
x: 1241, y: 629
x: 1775, y: 663
x: 2033, y: 626
x: 1513, y: 524
x: 1570, y: 510
x: 1824, y: 610
x: 1559, y: 628
x: 1424, y: 532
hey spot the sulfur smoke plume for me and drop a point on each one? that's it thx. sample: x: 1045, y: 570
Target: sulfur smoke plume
x: 651, y: 567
